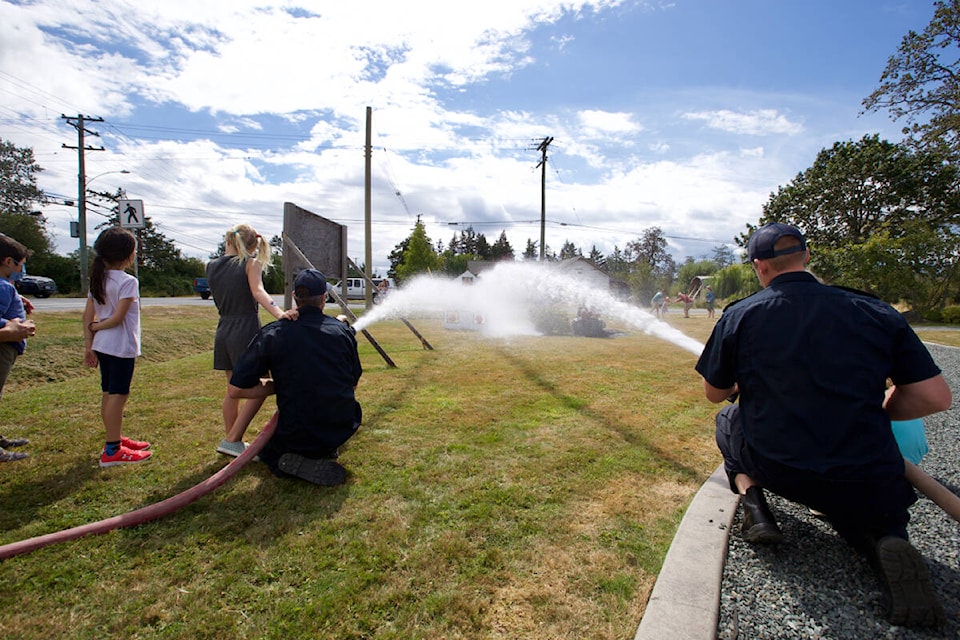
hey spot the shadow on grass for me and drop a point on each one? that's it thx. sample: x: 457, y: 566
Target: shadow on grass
x: 387, y: 403
x: 273, y: 504
x: 256, y: 515
x: 629, y: 434
x: 34, y: 495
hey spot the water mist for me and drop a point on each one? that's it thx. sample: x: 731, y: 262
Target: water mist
x: 509, y: 296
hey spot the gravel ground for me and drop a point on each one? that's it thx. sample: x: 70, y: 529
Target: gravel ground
x: 814, y: 585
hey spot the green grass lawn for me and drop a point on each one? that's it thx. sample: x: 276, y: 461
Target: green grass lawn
x: 514, y: 488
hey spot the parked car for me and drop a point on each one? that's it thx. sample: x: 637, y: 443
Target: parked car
x: 38, y: 286
x: 200, y: 286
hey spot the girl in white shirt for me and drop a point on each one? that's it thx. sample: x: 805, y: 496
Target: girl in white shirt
x: 111, y: 331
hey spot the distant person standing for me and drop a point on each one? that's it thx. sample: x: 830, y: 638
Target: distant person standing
x: 236, y: 282
x: 710, y: 299
x: 687, y: 301
x: 15, y: 328
x: 111, y: 332
x: 657, y: 303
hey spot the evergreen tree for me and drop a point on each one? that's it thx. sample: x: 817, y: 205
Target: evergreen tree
x: 530, y: 253
x: 501, y: 249
x: 418, y: 257
x: 596, y: 257
x: 569, y: 250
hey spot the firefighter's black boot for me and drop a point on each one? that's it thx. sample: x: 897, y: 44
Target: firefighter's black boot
x: 759, y: 525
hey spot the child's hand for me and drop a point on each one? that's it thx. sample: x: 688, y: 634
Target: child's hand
x: 90, y: 358
x: 290, y: 314
x: 27, y: 305
x: 22, y: 329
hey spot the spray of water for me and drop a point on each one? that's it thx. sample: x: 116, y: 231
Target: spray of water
x: 509, y: 297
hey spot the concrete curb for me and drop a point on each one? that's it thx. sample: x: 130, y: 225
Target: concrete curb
x: 685, y: 601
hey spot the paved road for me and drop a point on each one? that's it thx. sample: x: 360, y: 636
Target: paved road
x: 73, y: 304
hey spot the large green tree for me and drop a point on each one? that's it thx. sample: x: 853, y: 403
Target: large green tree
x: 879, y: 217
x: 18, y: 179
x: 650, y: 251
x: 921, y: 83
x: 19, y: 197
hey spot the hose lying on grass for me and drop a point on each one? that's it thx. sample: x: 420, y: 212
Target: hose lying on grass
x: 151, y: 512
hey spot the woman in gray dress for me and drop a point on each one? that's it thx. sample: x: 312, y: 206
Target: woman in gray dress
x: 236, y: 282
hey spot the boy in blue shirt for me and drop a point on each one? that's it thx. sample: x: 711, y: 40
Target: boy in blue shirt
x: 15, y: 327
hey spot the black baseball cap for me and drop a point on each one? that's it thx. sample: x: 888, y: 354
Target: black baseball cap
x: 312, y: 280
x: 761, y: 243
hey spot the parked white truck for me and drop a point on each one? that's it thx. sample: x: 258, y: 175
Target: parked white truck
x: 357, y: 288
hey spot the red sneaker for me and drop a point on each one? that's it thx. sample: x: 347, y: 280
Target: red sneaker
x: 123, y: 456
x: 136, y: 445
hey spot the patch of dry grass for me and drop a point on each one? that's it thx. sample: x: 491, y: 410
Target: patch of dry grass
x: 944, y: 336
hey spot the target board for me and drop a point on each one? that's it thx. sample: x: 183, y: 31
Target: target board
x: 322, y: 242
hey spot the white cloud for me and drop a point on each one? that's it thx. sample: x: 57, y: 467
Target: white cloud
x: 757, y: 123
x: 604, y: 123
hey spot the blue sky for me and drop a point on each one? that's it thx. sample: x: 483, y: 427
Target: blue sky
x: 681, y: 114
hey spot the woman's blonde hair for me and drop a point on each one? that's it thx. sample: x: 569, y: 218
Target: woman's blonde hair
x: 245, y: 242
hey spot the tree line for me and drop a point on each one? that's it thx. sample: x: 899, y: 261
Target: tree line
x: 641, y: 268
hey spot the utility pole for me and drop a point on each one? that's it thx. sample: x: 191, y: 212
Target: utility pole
x: 543, y: 192
x: 368, y: 250
x: 78, y: 123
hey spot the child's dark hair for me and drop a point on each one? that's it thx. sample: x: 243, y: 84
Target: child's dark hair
x: 10, y: 248
x: 113, y: 247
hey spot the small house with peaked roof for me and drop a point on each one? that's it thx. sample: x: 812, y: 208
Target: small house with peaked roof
x: 464, y: 319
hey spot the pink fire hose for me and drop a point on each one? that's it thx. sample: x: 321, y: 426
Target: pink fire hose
x: 151, y: 512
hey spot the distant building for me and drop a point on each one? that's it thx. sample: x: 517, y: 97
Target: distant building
x: 698, y: 285
x: 584, y: 269
x: 464, y: 319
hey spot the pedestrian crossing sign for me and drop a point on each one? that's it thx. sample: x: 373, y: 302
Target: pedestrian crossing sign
x: 131, y: 214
